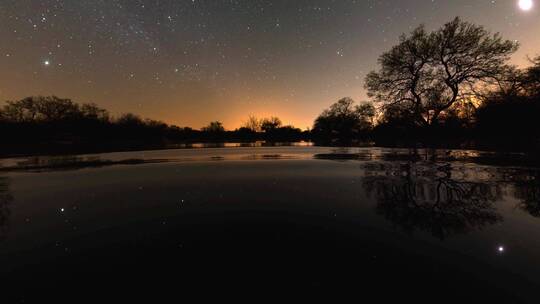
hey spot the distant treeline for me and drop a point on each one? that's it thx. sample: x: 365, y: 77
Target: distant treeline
x: 452, y: 87
x: 51, y: 124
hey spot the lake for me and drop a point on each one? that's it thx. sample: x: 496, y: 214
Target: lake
x: 436, y: 226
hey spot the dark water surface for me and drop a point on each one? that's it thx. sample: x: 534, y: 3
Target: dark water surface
x: 433, y: 226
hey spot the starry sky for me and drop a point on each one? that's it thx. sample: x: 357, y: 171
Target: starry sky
x: 188, y: 62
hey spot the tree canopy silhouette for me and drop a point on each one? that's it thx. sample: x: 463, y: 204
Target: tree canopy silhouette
x: 531, y: 79
x: 270, y: 124
x: 49, y: 109
x: 344, y: 121
x: 508, y: 116
x: 253, y: 124
x: 214, y: 127
x: 428, y: 72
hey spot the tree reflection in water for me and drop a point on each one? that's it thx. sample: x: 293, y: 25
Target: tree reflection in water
x: 5, y: 201
x: 527, y: 190
x: 428, y: 198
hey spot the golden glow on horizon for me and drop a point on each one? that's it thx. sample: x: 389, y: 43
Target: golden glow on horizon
x: 293, y: 71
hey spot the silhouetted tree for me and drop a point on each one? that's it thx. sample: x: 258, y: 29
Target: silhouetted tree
x: 130, y: 119
x: 57, y: 109
x: 531, y: 79
x: 270, y: 124
x: 244, y: 133
x: 93, y: 112
x: 284, y: 133
x: 34, y: 109
x: 426, y: 73
x: 269, y: 129
x: 367, y: 112
x: 24, y: 110
x: 253, y: 124
x: 344, y: 121
x: 508, y: 116
x: 214, y: 127
x: 42, y: 109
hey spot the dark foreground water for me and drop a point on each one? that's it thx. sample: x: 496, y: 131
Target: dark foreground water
x: 287, y: 222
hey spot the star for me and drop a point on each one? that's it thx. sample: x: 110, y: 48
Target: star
x: 307, y: 45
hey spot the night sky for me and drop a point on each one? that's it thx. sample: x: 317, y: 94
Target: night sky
x: 188, y: 62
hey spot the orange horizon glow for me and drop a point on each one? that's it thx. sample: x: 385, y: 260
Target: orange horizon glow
x: 271, y: 72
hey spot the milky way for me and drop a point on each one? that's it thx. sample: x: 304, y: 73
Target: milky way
x: 189, y: 62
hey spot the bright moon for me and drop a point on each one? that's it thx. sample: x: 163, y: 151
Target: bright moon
x: 526, y: 5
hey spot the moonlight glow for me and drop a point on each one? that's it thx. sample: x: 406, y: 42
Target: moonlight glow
x: 526, y: 5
